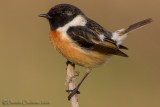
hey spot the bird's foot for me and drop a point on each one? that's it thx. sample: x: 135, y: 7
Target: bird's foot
x: 72, y: 93
x: 69, y: 62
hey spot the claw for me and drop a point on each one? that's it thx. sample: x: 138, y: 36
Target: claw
x: 69, y: 91
x: 72, y: 93
x: 68, y: 62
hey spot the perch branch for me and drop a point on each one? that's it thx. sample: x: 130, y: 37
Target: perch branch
x: 71, y: 83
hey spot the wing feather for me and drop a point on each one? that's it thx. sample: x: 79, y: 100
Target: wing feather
x: 87, y: 39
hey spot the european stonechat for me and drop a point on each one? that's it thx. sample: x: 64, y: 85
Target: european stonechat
x: 83, y: 41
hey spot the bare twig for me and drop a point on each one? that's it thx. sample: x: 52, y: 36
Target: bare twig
x: 71, y: 84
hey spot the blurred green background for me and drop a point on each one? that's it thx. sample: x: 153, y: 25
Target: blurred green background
x: 30, y: 68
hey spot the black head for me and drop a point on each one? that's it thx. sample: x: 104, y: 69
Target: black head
x: 61, y: 14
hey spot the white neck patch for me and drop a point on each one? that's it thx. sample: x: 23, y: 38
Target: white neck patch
x: 77, y: 21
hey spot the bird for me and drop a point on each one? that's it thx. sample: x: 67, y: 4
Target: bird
x: 82, y: 41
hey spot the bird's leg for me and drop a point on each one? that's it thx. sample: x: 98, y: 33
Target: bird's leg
x: 75, y: 91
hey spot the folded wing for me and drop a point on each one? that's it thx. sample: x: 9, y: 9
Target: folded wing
x: 87, y: 39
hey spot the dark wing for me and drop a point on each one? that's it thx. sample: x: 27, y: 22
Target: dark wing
x: 98, y: 29
x: 122, y: 47
x: 87, y: 39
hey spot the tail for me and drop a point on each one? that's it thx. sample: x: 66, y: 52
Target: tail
x: 135, y: 26
x: 121, y: 34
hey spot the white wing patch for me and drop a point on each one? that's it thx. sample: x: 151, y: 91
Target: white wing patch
x: 102, y: 37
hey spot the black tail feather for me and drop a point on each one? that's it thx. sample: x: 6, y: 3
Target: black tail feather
x: 137, y: 25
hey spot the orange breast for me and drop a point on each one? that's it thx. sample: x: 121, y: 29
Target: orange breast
x: 74, y: 53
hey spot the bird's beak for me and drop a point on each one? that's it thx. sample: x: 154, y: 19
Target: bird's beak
x: 45, y: 15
